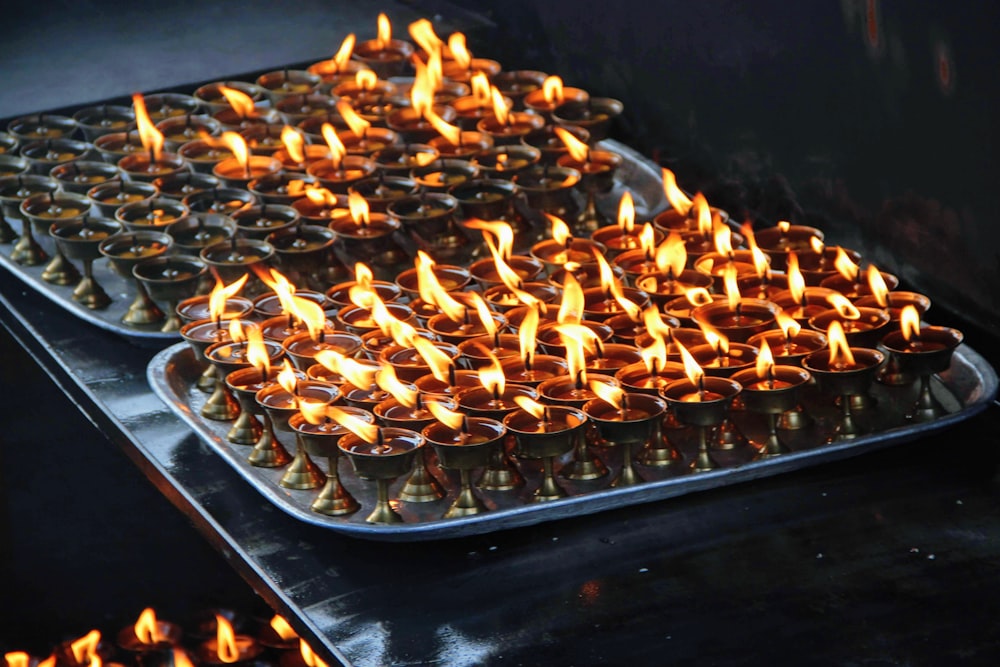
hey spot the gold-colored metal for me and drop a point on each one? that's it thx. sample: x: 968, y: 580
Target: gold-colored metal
x: 703, y: 461
x: 173, y: 321
x: 927, y: 408
x: 268, y: 452
x: 660, y: 451
x: 7, y: 233
x: 384, y: 512
x: 60, y: 271
x: 220, y: 406
x: 549, y: 488
x: 206, y: 381
x: 302, y: 473
x: 142, y: 310
x: 585, y: 465
x: 27, y: 251
x: 421, y: 486
x: 88, y: 292
x: 333, y: 498
x: 795, y: 419
x: 500, y: 473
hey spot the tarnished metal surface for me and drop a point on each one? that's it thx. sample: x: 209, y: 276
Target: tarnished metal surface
x: 965, y: 390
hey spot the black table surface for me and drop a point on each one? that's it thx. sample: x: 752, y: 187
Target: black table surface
x: 888, y: 558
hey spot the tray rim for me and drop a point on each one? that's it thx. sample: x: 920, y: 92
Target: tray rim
x: 574, y: 506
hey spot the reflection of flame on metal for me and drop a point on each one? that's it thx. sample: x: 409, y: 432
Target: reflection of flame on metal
x: 366, y: 79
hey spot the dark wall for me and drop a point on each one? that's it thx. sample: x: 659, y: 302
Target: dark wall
x: 872, y: 120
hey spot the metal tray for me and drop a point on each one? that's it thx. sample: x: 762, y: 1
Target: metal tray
x: 966, y: 389
x: 640, y: 176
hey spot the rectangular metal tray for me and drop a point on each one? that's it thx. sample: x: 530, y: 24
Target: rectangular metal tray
x: 966, y: 389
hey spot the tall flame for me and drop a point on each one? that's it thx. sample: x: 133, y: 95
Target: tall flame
x: 343, y: 56
x: 241, y: 103
x: 578, y: 150
x: 17, y: 659
x: 358, y: 206
x: 152, y: 138
x: 236, y: 331
x: 655, y: 326
x: 147, y: 629
x: 577, y: 339
x: 456, y: 44
x: 878, y: 287
x: 715, y: 338
x: 234, y: 141
x: 626, y: 213
x: 503, y: 234
x: 613, y: 286
x: 722, y: 236
x: 221, y: 293
x: 846, y: 267
x: 85, y: 648
x: 571, y: 305
x: 367, y: 432
x: 311, y: 314
x: 840, y: 352
x: 436, y: 359
x: 422, y: 32
x: 765, y: 361
x: 531, y: 406
x: 366, y: 79
x: 294, y: 143
x: 492, y: 376
x: 480, y: 84
x: 257, y: 351
x: 843, y: 306
x: 796, y: 281
x: 909, y: 322
x: 647, y: 239
x: 483, y: 312
x: 500, y: 108
x: 227, y: 650
x: 654, y: 356
x: 552, y: 90
x: 692, y: 370
x: 337, y: 150
x: 287, y: 377
x: 526, y: 335
x: 608, y: 393
x: 731, y: 286
x: 387, y: 380
x: 449, y: 418
x: 678, y: 200
x: 788, y: 324
x: 703, y: 213
x: 671, y: 255
x: 451, y: 133
x: 760, y: 261
x: 422, y: 90
x: 359, y: 126
x: 561, y: 233
x: 384, y: 35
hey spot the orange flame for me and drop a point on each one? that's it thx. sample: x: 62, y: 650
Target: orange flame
x: 180, y: 656
x: 843, y: 306
x: 626, y: 213
x: 647, y: 239
x: 152, y: 138
x: 846, y: 267
x: 287, y: 377
x: 222, y: 293
x: 387, y: 380
x: 840, y: 352
x: 449, y: 418
x: 343, y: 56
x: 765, y: 361
x: 456, y: 44
x: 760, y: 262
x: 671, y: 255
x: 500, y: 108
x: 17, y: 659
x: 384, y: 35
x: 319, y: 195
x: 85, y: 648
x: 796, y: 281
x: 234, y: 141
x: 451, y: 133
x: 422, y: 91
x: 354, y: 424
x: 571, y: 306
x: 531, y: 406
x: 241, y: 103
x: 502, y: 233
x: 731, y: 286
x: 552, y: 90
x: 484, y: 313
x: 655, y: 326
x: 878, y: 287
x: 337, y: 150
x: 314, y: 412
x: 697, y: 296
x: 578, y: 150
x: 692, y: 370
x: 678, y: 200
x: 608, y: 393
x: 722, y: 237
x: 366, y: 79
x: 654, y: 356
x: 783, y: 226
x: 481, y: 89
x: 577, y: 339
x: 816, y: 244
x: 492, y: 376
x: 257, y: 352
x: 311, y: 314
x: 436, y: 359
x: 294, y: 143
x: 909, y: 322
x: 422, y: 32
x: 236, y: 332
x: 614, y: 287
x: 227, y: 650
x: 309, y: 656
x: 526, y: 335
x: 715, y: 338
x: 704, y: 214
x: 147, y: 629
x: 561, y: 233
x: 358, y: 206
x: 788, y: 324
x: 359, y: 126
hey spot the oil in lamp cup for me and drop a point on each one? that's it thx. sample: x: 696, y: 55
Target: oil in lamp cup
x: 380, y: 191
x: 46, y: 209
x: 167, y: 105
x: 506, y: 162
x: 864, y: 331
x: 772, y: 397
x: 778, y: 242
x: 170, y: 279
x: 817, y: 267
x: 266, y: 140
x: 535, y: 100
x: 260, y: 220
x: 442, y: 174
x: 517, y: 84
x: 81, y: 175
x: 280, y: 406
x: 8, y: 143
x: 113, y: 147
x: 465, y: 449
x: 139, y: 166
x: 724, y: 364
x: 81, y: 241
x: 372, y: 241
x: 232, y: 120
x: 812, y: 302
x: 703, y: 406
x: 638, y: 378
x: 386, y: 59
x: 211, y: 98
x: 109, y: 196
x: 455, y: 71
x: 269, y: 305
x: 519, y: 125
x: 339, y: 294
x: 635, y: 426
x: 413, y: 127
x: 185, y: 183
x: 554, y: 255
x: 541, y: 368
x: 456, y: 332
x: 421, y: 486
x: 277, y: 189
x: 587, y: 275
x: 14, y: 190
x: 896, y: 301
x: 855, y: 289
x: 924, y: 355
x: 179, y: 130
x: 158, y: 213
x: 400, y: 160
x: 332, y: 74
x: 201, y: 230
x: 321, y: 440
x: 595, y: 115
x: 550, y: 341
x: 202, y: 156
x: 551, y: 145
x: 124, y: 251
x: 225, y: 201
x: 555, y: 434
x: 226, y: 356
x: 96, y: 121
x: 408, y: 364
x: 302, y: 347
x: 12, y: 165
x: 502, y: 299
x: 475, y: 351
x: 359, y: 320
x: 598, y: 304
x: 749, y: 317
x: 234, y: 174
x: 304, y: 254
x: 458, y: 381
x: 233, y: 258
x: 471, y: 144
x: 383, y: 463
x: 198, y: 308
x: 848, y: 384
x: 44, y: 154
x: 280, y: 84
x: 430, y: 217
x: 166, y: 635
x: 41, y: 126
x: 789, y: 351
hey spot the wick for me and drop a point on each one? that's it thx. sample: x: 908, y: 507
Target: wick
x: 579, y: 380
x: 701, y: 387
x: 452, y: 380
x: 653, y: 371
x: 379, y: 441
x: 598, y: 349
x: 465, y: 424
x: 770, y: 377
x: 496, y: 392
x: 546, y: 419
x: 527, y: 361
x: 263, y: 376
x: 739, y: 311
x: 623, y: 408
x: 419, y: 404
x: 496, y: 339
x: 322, y: 334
